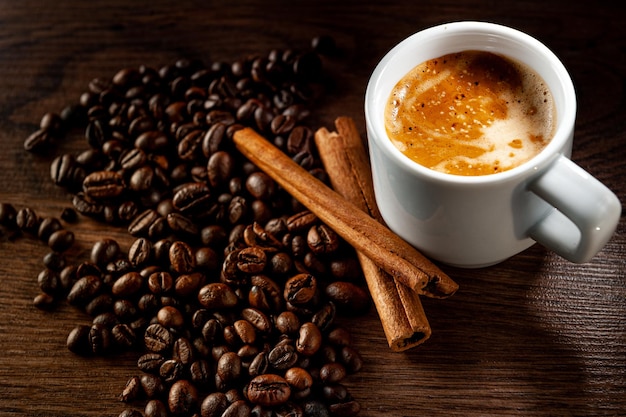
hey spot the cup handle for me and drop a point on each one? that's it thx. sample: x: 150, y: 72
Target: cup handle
x: 585, y: 215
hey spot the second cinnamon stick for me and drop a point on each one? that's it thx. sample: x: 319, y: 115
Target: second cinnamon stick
x: 400, y: 310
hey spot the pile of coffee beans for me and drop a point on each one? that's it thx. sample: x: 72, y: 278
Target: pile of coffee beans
x: 230, y: 288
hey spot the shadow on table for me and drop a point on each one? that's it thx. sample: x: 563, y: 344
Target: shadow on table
x: 495, y: 350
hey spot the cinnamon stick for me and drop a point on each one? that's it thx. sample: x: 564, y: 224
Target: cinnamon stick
x: 400, y: 309
x: 387, y: 250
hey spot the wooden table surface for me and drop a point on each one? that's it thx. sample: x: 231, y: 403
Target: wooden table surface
x: 532, y: 336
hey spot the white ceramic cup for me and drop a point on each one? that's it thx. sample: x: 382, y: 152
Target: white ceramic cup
x: 476, y: 221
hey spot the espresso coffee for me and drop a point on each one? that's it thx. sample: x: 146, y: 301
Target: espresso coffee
x: 470, y: 113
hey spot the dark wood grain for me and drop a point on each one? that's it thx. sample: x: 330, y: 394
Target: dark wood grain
x: 533, y: 336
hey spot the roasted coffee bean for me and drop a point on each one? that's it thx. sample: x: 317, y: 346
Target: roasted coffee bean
x: 182, y: 398
x: 217, y: 295
x: 260, y: 185
x: 8, y: 214
x: 78, y: 340
x: 88, y: 268
x: 251, y: 260
x: 283, y: 124
x: 106, y: 318
x: 348, y: 296
x: 54, y: 260
x: 85, y: 205
x: 127, y: 285
x: 44, y: 301
x: 200, y: 373
x: 148, y: 303
x: 118, y: 267
x: 38, y: 141
x: 142, y: 178
x: 303, y: 220
x: 27, y: 220
x: 268, y: 390
x: 69, y: 215
x: 220, y: 168
x: 309, y: 339
x: 150, y: 362
x: 182, y: 257
x: 143, y: 222
x: 213, y: 139
x: 335, y: 393
x: 190, y: 146
x: 192, y: 199
x: 188, y: 284
x: 283, y: 357
x: 258, y: 299
x: 345, y: 269
x: 104, y: 251
x: 245, y: 331
x: 49, y: 282
x: 100, y: 304
x: 152, y: 385
x: 287, y: 322
x: 237, y: 209
x: 229, y: 367
x: 351, y: 359
x: 170, y: 317
x: 132, y: 390
x: 126, y: 310
x: 315, y: 408
x: 155, y: 408
x: 171, y: 370
x: 139, y: 252
x: 68, y: 277
x: 100, y: 339
x: 127, y: 211
x: 61, y: 240
x: 322, y: 239
x: 340, y: 336
x: 230, y: 337
x: 298, y: 246
x: 331, y: 373
x: 281, y: 263
x: 84, y: 290
x: 214, y: 405
x: 103, y: 185
x: 299, y: 140
x: 47, y: 226
x: 259, y: 364
x: 211, y: 329
x: 298, y: 378
x: 160, y: 282
x: 259, y: 320
x: 256, y: 235
x: 247, y: 353
x: 132, y: 159
x: 213, y: 236
x: 182, y: 225
x: 239, y: 408
x: 158, y: 339
x: 207, y: 259
x: 300, y: 289
x: 52, y: 122
x: 152, y: 141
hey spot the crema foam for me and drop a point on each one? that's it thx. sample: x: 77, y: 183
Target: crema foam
x: 470, y: 113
